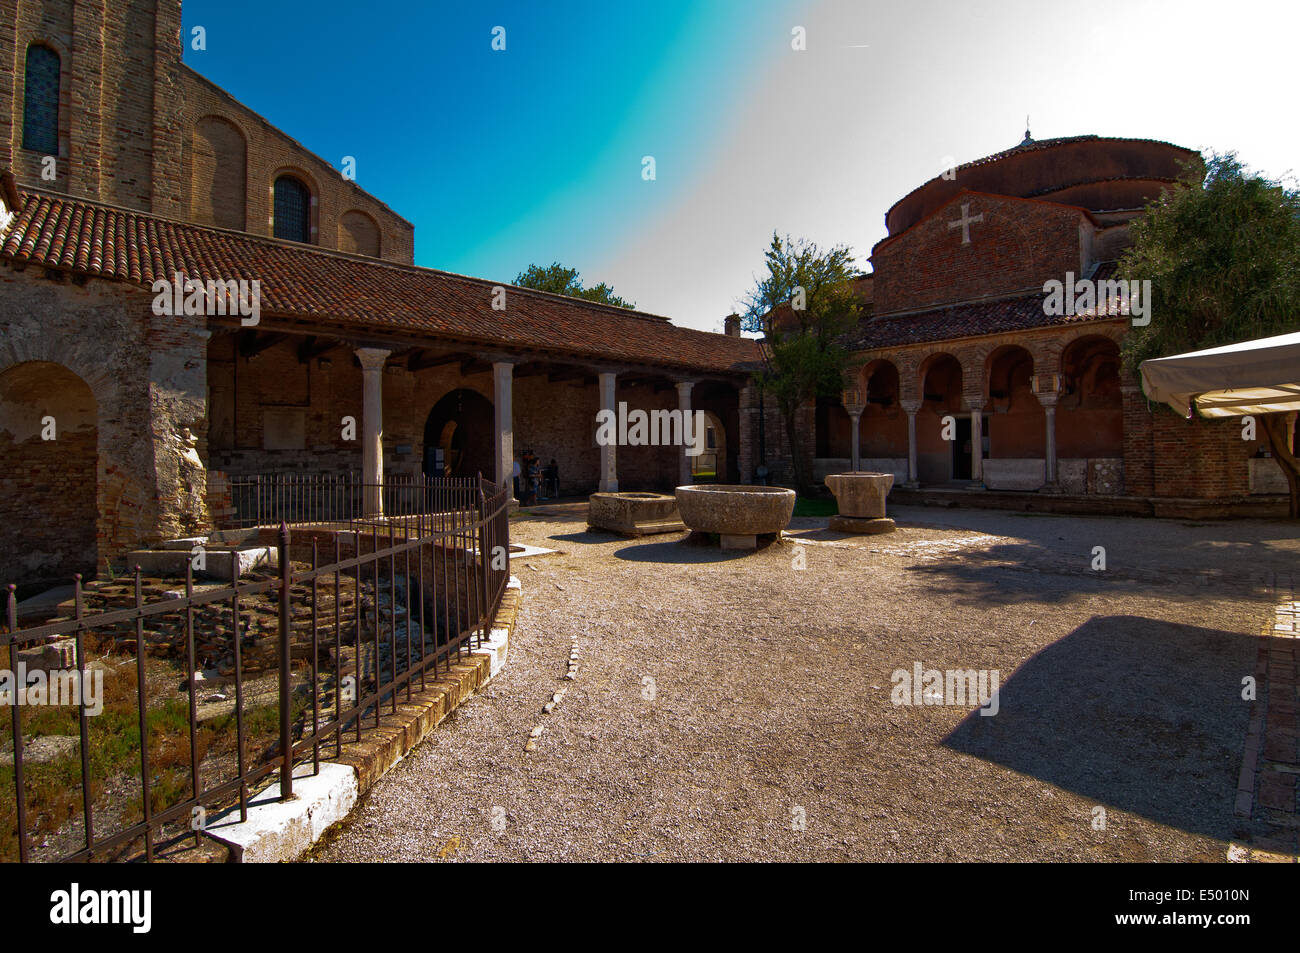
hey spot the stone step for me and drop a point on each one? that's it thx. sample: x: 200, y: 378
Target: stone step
x: 651, y: 527
x: 225, y: 564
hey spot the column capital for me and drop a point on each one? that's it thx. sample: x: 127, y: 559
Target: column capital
x: 1048, y: 401
x: 911, y: 406
x: 684, y: 387
x: 976, y: 405
x: 372, y: 358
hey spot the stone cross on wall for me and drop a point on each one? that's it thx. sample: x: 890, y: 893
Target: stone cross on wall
x: 965, y: 222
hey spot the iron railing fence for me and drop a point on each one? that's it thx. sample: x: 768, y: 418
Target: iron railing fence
x: 295, y: 498
x: 304, y: 656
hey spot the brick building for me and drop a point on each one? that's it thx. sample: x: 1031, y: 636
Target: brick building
x: 960, y: 331
x: 119, y: 424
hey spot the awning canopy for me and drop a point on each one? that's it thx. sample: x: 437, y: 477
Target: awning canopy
x: 1253, y: 377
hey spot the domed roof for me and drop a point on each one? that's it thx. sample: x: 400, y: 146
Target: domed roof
x: 1093, y: 172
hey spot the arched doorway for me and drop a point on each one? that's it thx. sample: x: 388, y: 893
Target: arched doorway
x: 1017, y: 424
x: 458, y: 436
x: 883, y: 427
x: 49, y: 443
x: 1090, y: 412
x: 939, y: 460
x: 711, y: 465
x: 721, y: 405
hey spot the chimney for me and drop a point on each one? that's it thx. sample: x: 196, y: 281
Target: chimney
x: 731, y: 325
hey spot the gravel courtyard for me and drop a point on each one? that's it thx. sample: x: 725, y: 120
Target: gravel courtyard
x: 731, y: 707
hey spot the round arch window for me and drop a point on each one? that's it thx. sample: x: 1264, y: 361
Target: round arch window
x: 292, y: 209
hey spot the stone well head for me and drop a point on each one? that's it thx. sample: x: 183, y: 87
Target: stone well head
x: 633, y: 513
x: 738, y: 514
x: 861, y: 493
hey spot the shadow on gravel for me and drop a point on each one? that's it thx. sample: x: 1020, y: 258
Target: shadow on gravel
x: 1011, y: 573
x: 585, y: 537
x: 1132, y: 713
x: 678, y: 552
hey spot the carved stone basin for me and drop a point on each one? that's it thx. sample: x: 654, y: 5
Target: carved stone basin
x: 634, y: 514
x: 861, y: 500
x: 738, y: 514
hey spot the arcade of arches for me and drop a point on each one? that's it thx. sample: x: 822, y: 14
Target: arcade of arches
x: 278, y: 403
x: 1044, y: 411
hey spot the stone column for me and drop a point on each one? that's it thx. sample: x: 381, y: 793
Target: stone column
x: 684, y: 476
x: 911, y: 407
x: 1049, y: 412
x: 857, y: 441
x: 609, y: 451
x: 372, y: 428
x: 503, y: 442
x: 977, y: 440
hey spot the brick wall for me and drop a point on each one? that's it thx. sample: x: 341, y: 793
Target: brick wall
x: 344, y: 216
x: 141, y: 130
x: 1019, y: 245
x: 148, y: 383
x: 119, y: 104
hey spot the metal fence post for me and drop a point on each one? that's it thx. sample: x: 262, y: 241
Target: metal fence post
x: 286, y: 739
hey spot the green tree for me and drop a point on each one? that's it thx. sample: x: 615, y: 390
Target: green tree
x: 803, y: 307
x: 1222, y: 251
x: 560, y: 280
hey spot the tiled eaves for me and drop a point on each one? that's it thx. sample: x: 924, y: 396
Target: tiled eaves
x: 353, y: 293
x: 968, y: 320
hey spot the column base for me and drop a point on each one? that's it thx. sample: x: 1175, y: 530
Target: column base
x: 738, y: 542
x: 864, y: 525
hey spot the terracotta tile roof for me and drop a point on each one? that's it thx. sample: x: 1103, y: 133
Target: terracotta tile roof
x: 965, y: 321
x: 1033, y: 145
x: 352, y: 293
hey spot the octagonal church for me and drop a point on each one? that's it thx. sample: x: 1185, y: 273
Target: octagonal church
x: 126, y: 421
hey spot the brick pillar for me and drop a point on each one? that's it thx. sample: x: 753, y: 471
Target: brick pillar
x: 747, y: 424
x: 1139, y: 478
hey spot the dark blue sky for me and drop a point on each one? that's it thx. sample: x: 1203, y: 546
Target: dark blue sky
x: 499, y: 158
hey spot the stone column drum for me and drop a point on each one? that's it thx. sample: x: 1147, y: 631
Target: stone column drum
x: 861, y: 499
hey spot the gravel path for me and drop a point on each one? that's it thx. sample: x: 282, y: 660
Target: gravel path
x: 739, y: 708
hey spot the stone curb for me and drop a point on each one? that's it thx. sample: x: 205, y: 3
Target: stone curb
x: 285, y: 830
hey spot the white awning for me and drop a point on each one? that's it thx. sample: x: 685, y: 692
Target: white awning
x: 1253, y: 377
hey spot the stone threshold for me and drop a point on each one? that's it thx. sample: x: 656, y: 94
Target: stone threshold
x: 285, y: 830
x: 976, y: 497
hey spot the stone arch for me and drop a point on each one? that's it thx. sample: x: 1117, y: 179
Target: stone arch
x: 834, y: 428
x: 714, y: 456
x: 721, y: 404
x: 1090, y: 410
x: 458, y: 435
x: 940, y: 376
x: 49, y: 439
x: 359, y: 234
x: 882, y: 429
x: 218, y: 173
x: 1016, y: 420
